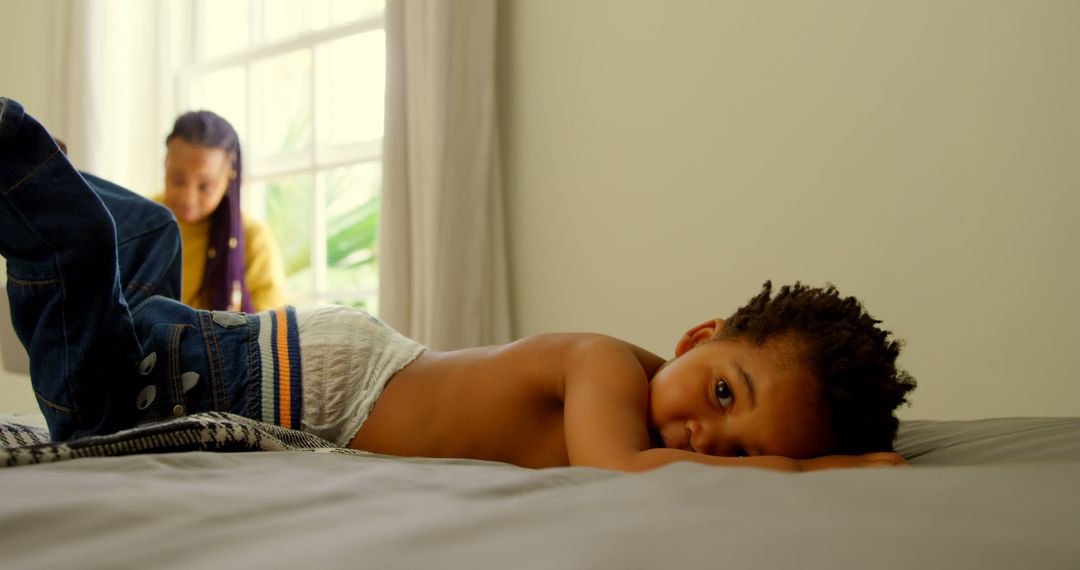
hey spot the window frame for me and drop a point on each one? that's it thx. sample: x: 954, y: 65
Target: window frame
x: 185, y: 40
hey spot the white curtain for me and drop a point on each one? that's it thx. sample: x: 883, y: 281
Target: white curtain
x: 102, y: 78
x: 442, y: 256
x: 73, y: 109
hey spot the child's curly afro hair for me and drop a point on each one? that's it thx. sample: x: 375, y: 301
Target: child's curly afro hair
x: 853, y: 359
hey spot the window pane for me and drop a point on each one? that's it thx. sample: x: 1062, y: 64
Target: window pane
x: 286, y: 205
x: 223, y: 27
x: 223, y: 92
x: 349, y: 10
x: 281, y: 104
x: 352, y: 206
x: 351, y: 89
x: 320, y: 14
x: 285, y: 19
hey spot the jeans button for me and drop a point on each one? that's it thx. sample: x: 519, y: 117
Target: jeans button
x: 188, y: 380
x: 146, y: 397
x: 178, y: 410
x: 146, y: 365
x: 228, y: 319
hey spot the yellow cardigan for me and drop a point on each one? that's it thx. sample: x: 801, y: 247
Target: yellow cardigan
x: 264, y: 268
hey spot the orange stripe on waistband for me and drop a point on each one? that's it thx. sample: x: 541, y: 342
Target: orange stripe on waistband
x: 283, y: 371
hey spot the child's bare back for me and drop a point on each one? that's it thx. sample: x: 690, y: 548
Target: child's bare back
x: 501, y: 403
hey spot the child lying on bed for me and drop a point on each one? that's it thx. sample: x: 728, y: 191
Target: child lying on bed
x: 804, y: 379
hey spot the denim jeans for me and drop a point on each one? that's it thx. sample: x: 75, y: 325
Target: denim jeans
x: 93, y: 278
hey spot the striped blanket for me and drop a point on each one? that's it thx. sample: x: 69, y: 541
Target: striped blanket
x: 22, y: 443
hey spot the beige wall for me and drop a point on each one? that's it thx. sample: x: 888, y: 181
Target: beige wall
x: 23, y: 75
x: 662, y: 159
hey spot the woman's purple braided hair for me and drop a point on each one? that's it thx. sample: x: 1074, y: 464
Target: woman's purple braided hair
x: 224, y: 275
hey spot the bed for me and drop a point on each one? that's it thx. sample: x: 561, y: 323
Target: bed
x: 997, y: 493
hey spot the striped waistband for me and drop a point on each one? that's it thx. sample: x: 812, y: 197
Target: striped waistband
x: 279, y: 355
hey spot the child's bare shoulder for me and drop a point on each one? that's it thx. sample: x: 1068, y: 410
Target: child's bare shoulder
x: 547, y: 357
x: 576, y: 349
x: 558, y: 345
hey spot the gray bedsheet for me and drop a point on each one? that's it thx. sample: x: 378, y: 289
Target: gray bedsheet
x: 992, y: 494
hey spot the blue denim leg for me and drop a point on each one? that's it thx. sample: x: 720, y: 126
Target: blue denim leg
x: 64, y: 278
x: 147, y: 243
x: 80, y: 252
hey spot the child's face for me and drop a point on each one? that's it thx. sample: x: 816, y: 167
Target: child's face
x: 728, y: 397
x: 196, y: 178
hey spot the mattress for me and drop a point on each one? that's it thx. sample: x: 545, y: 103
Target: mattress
x: 999, y: 493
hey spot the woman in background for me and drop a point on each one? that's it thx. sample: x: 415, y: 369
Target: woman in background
x: 231, y: 262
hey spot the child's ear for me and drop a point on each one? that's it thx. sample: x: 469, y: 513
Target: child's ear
x: 698, y: 335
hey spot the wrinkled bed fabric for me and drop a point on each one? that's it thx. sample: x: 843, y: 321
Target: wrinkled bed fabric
x: 24, y: 444
x: 994, y: 440
x: 992, y: 494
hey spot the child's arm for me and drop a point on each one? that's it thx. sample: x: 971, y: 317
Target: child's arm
x: 605, y: 408
x: 653, y: 458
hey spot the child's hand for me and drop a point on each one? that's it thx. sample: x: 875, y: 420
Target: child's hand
x: 879, y: 459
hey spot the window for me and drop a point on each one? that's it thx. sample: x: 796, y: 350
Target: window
x: 303, y: 82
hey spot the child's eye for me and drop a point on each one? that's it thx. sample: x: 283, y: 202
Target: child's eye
x: 723, y: 393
